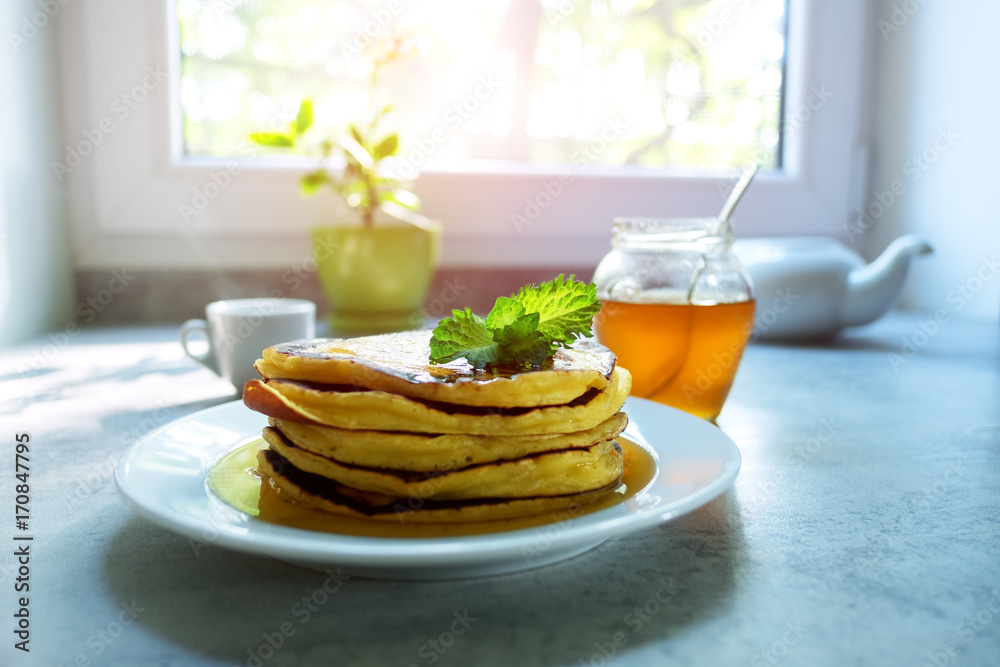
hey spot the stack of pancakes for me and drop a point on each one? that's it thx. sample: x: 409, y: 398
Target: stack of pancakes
x: 369, y: 427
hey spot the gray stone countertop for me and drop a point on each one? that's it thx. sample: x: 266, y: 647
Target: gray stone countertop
x: 862, y: 530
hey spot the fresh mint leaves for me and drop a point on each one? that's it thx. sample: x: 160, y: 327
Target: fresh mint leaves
x: 523, y: 329
x: 464, y: 334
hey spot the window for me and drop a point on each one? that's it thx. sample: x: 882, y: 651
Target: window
x: 675, y: 82
x: 165, y: 191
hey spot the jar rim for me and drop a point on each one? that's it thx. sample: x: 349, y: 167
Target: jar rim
x: 709, y: 225
x: 651, y: 230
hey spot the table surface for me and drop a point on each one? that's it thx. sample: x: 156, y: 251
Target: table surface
x: 862, y: 529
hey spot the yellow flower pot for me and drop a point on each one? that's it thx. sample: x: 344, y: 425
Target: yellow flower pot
x: 376, y: 278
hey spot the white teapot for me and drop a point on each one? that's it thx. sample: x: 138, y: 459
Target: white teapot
x: 812, y: 287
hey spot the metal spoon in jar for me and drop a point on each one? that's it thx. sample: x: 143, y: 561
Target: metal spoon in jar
x: 737, y: 194
x: 724, y: 225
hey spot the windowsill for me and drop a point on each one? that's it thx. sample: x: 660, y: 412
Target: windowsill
x: 165, y: 296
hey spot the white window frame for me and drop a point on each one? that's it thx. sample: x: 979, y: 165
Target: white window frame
x: 125, y: 196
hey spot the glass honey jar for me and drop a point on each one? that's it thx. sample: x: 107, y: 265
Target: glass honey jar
x: 678, y: 309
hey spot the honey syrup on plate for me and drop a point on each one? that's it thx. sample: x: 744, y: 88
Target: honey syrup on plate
x: 235, y: 480
x: 683, y: 355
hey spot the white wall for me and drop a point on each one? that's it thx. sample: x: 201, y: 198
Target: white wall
x: 940, y: 72
x: 35, y: 285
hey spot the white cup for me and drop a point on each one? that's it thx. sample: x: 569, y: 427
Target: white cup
x: 238, y: 330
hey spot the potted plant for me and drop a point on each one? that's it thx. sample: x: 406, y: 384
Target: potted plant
x: 376, y: 274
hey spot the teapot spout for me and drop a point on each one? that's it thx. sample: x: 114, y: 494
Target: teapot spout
x: 872, y: 289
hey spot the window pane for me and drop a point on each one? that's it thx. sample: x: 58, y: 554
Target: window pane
x: 670, y: 82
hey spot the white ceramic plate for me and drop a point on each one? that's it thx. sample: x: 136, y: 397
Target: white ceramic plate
x: 164, y: 477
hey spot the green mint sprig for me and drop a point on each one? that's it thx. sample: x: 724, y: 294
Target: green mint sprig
x: 523, y: 329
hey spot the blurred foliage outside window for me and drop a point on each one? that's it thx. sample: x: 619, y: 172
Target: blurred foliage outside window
x: 651, y: 82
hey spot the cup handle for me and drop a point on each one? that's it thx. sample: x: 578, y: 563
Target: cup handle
x: 207, y: 359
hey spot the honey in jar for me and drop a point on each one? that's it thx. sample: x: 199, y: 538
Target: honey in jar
x: 677, y: 310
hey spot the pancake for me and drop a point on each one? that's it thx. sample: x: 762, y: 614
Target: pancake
x: 399, y: 364
x: 547, y: 474
x: 330, y: 496
x: 327, y: 405
x: 430, y: 452
x: 368, y: 427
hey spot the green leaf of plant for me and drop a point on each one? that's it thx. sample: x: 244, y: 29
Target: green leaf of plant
x: 356, y: 134
x: 464, y: 334
x: 525, y: 328
x: 517, y: 335
x: 386, y: 147
x: 404, y: 198
x: 505, y: 312
x: 566, y: 308
x: 313, y: 181
x: 355, y: 151
x: 386, y: 183
x: 304, y: 119
x: 275, y: 139
x: 530, y: 350
x: 356, y: 193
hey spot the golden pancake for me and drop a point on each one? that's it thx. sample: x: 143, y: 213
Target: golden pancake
x: 547, y: 474
x: 381, y: 411
x: 429, y: 452
x: 399, y: 363
x: 333, y: 497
